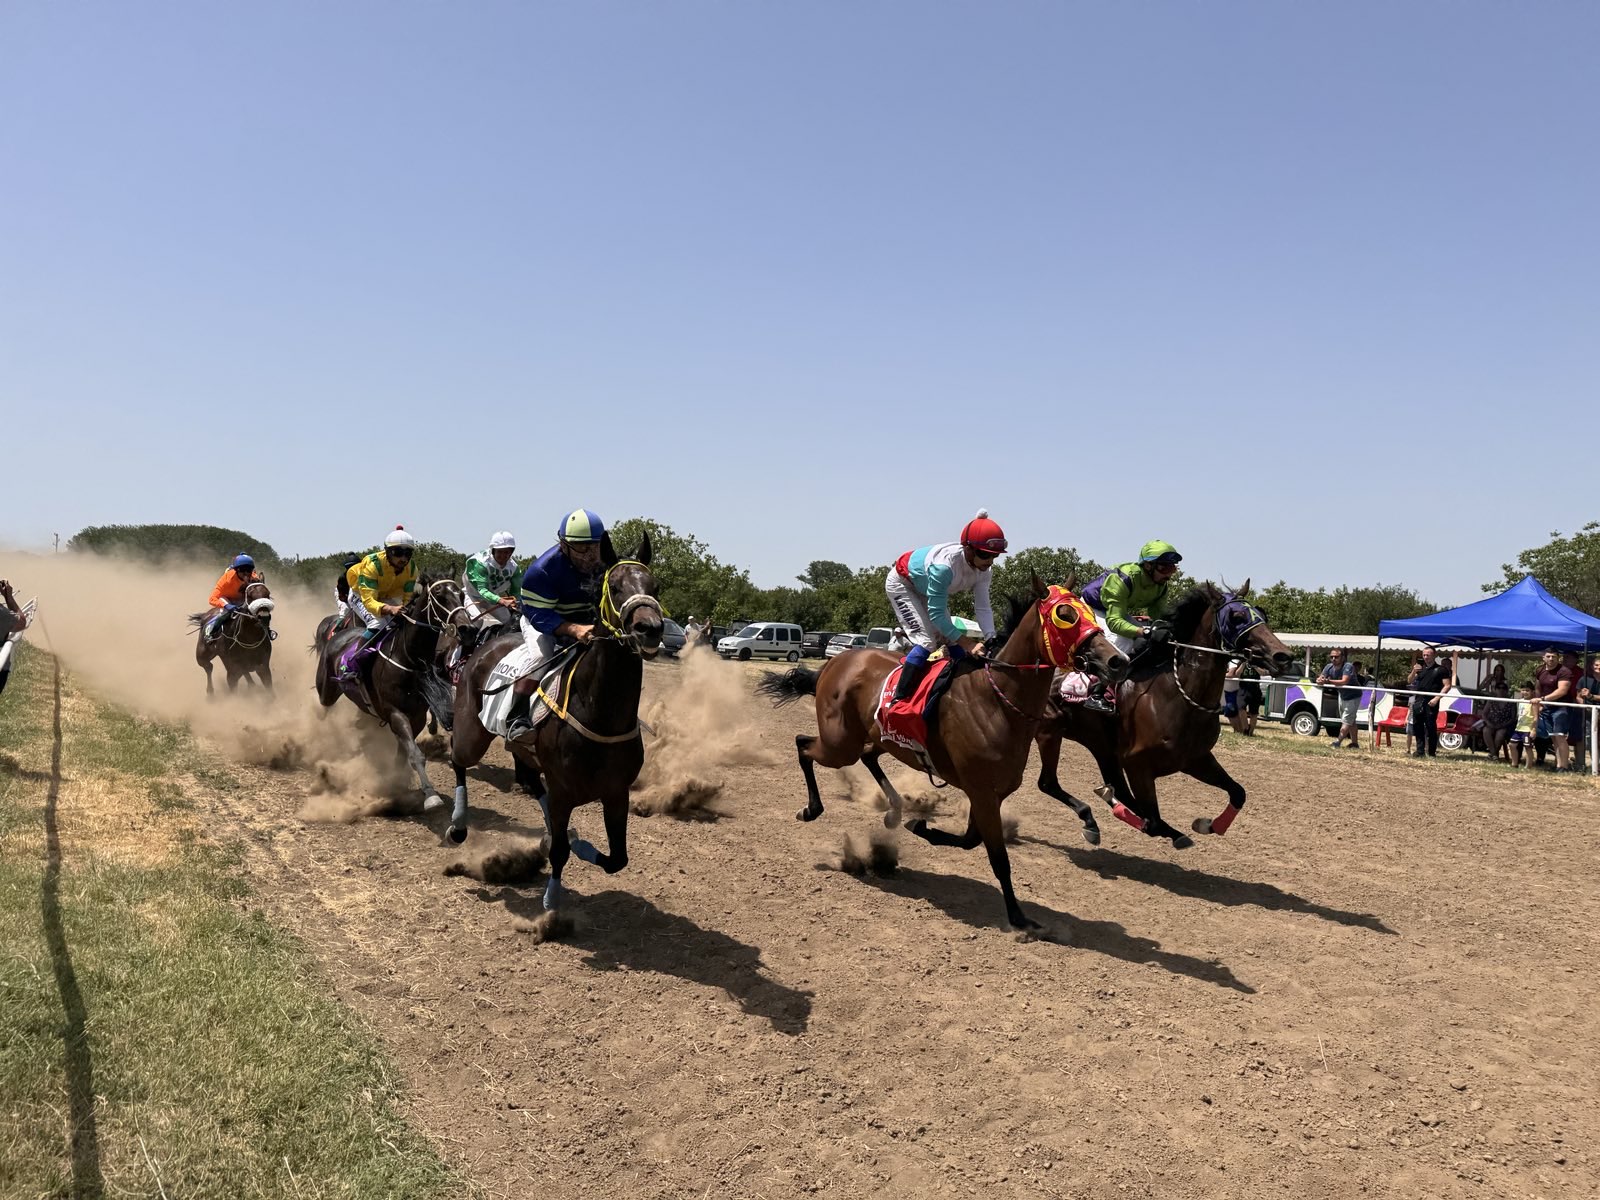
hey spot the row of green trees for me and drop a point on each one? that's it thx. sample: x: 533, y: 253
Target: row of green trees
x: 833, y: 596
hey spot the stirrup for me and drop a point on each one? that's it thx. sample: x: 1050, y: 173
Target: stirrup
x: 1100, y: 704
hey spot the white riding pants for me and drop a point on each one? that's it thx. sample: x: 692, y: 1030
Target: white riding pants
x: 911, y: 610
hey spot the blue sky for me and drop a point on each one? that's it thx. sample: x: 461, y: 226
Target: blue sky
x: 811, y: 281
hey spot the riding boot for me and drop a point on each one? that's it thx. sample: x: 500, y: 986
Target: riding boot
x: 519, y: 718
x: 912, y: 668
x: 1102, y: 701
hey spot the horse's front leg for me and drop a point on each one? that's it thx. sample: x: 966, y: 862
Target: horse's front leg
x: 616, y: 854
x: 1144, y: 813
x: 558, y: 817
x: 401, y: 726
x: 1209, y: 770
x: 265, y: 672
x: 211, y: 691
x: 1049, y: 762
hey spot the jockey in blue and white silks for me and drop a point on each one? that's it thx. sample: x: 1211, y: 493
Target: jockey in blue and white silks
x: 560, y: 599
x: 919, y: 587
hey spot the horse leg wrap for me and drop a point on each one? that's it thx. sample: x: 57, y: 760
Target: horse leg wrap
x: 585, y: 850
x: 458, y: 817
x: 1123, y: 813
x: 552, y: 894
x: 1220, y: 825
x: 544, y: 807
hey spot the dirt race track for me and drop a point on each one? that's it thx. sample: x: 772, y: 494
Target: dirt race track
x: 1380, y: 982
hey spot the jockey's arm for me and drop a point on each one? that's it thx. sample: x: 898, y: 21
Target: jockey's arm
x: 219, y: 598
x: 939, y: 602
x: 478, y: 580
x: 981, y: 608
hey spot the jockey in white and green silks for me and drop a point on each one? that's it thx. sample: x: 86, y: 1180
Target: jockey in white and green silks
x: 490, y: 582
x: 919, y: 587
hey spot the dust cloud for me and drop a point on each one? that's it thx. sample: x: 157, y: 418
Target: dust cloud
x: 702, y: 727
x: 121, y: 626
x: 506, y: 862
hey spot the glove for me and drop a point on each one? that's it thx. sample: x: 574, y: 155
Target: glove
x: 1156, y: 633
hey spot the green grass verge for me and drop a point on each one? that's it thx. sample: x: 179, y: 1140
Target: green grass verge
x: 157, y: 1036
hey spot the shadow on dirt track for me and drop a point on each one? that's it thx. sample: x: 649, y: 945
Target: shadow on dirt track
x: 1202, y: 885
x: 978, y: 904
x: 621, y: 930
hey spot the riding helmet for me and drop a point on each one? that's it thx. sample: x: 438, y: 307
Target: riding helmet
x: 244, y: 562
x: 504, y: 540
x: 981, y: 533
x: 1161, y: 554
x: 580, y: 525
x: 400, y: 538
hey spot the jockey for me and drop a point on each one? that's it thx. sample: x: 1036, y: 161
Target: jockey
x: 229, y: 592
x: 920, y: 585
x: 560, y: 598
x: 1128, y: 601
x: 341, y: 587
x: 382, y: 582
x: 489, y: 583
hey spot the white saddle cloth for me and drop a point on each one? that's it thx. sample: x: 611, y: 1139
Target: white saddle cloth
x: 499, y: 695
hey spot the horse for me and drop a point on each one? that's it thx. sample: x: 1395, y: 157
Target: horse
x: 1167, y: 716
x: 402, y: 685
x: 243, y: 642
x: 984, y: 723
x: 589, y: 747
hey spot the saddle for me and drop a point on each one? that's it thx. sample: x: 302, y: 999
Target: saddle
x: 913, y: 723
x: 352, y: 670
x: 514, y: 673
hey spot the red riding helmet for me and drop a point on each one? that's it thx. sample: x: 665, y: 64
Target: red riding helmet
x: 981, y: 533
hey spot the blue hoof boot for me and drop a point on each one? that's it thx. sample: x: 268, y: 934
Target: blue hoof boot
x: 585, y: 850
x: 552, y: 895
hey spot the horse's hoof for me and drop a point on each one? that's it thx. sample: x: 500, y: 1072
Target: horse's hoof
x: 1105, y: 793
x: 1201, y: 824
x: 457, y: 834
x: 1092, y: 836
x: 552, y: 895
x: 805, y: 814
x: 1182, y: 842
x: 918, y: 826
x: 432, y: 803
x: 891, y: 819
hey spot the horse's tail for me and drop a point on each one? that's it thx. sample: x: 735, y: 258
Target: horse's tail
x: 199, y: 619
x: 785, y: 687
x: 323, y: 626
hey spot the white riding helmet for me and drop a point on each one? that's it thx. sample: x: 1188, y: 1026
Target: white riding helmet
x: 400, y: 538
x: 504, y: 540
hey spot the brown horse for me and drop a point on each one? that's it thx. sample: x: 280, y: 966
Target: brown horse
x: 1167, y: 716
x: 984, y: 723
x: 402, y: 687
x: 243, y: 641
x: 589, y: 748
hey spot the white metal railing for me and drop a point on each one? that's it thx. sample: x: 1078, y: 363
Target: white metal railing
x: 1592, y: 709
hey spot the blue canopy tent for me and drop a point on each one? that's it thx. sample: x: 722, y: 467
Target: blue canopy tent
x: 1523, y: 618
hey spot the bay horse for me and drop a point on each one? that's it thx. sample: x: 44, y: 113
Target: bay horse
x: 589, y: 748
x: 1168, y: 716
x: 243, y: 642
x: 985, y: 721
x: 403, y: 686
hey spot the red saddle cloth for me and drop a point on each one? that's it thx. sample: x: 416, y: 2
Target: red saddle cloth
x: 905, y: 723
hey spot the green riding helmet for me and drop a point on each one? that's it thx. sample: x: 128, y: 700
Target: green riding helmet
x: 1159, y: 554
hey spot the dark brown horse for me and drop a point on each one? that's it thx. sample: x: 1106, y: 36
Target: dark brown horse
x: 243, y: 641
x: 589, y: 748
x: 1167, y: 716
x: 985, y: 720
x: 402, y: 686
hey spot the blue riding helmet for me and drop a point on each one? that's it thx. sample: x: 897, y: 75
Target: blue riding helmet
x: 580, y: 525
x: 244, y: 563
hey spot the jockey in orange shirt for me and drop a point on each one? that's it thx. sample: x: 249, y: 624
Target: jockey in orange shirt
x: 229, y: 592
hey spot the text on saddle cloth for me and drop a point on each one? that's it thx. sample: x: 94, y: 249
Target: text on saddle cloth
x: 911, y: 723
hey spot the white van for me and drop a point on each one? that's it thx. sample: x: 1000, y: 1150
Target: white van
x: 764, y: 639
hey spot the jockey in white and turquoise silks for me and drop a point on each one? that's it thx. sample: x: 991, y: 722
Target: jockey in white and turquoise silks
x: 919, y: 587
x: 490, y: 582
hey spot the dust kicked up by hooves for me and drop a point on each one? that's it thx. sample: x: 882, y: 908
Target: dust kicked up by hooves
x: 121, y: 625
x: 702, y: 728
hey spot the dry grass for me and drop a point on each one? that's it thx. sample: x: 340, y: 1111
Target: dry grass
x: 157, y: 1034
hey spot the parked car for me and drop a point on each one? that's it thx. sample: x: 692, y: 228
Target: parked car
x: 845, y: 641
x: 672, y: 637
x: 763, y: 639
x: 815, y: 644
x: 1308, y: 709
x: 881, y: 638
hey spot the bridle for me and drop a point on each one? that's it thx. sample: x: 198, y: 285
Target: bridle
x: 432, y: 605
x: 232, y: 630
x: 614, y: 617
x: 1068, y: 657
x: 1251, y: 618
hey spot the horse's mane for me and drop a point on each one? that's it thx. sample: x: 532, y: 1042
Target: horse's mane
x: 1186, y: 613
x: 1017, y: 607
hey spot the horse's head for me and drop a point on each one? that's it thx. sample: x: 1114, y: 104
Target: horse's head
x: 629, y: 609
x: 258, y: 601
x: 1243, y: 629
x: 1069, y: 636
x: 437, y: 601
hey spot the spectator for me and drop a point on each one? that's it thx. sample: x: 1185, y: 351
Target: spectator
x: 1429, y: 678
x: 1230, y: 698
x: 1250, y: 698
x: 1499, y: 717
x: 1522, y: 735
x: 1588, y: 693
x: 1341, y: 674
x: 1553, y: 684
